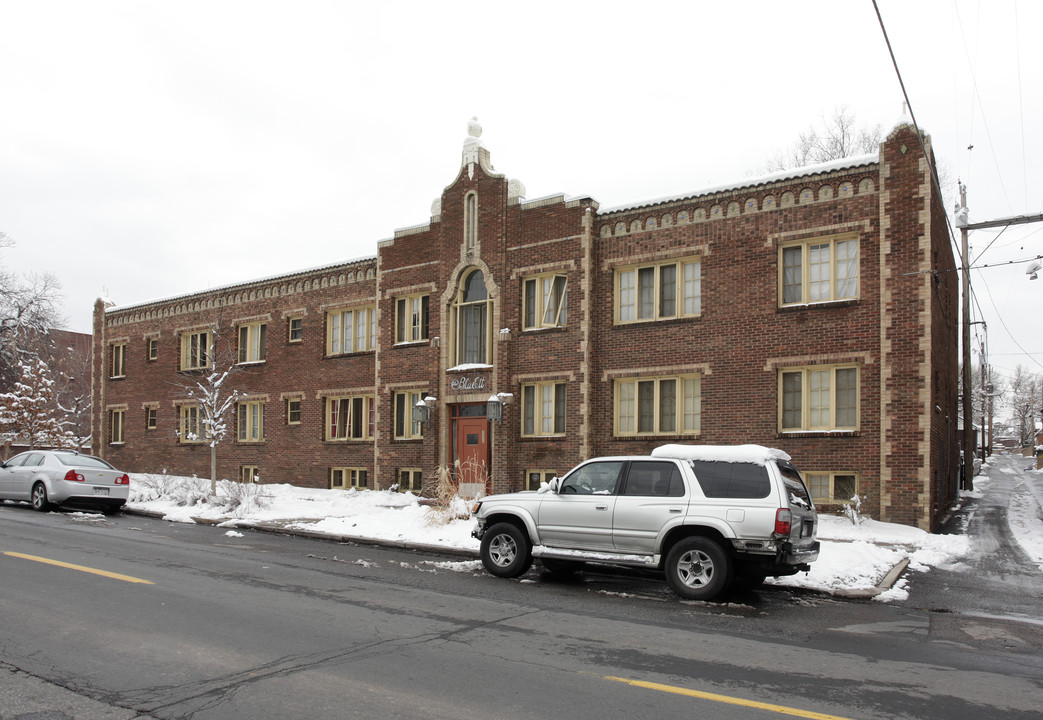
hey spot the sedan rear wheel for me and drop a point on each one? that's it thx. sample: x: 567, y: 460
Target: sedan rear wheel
x: 38, y: 498
x: 506, y: 550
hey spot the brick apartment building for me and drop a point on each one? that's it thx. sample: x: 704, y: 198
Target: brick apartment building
x: 814, y: 311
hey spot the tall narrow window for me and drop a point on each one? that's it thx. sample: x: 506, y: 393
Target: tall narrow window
x: 116, y: 421
x: 251, y: 421
x: 471, y: 316
x: 471, y: 220
x: 405, y: 428
x: 119, y: 360
x: 543, y: 409
x: 411, y: 318
x: 195, y: 350
x: 544, y: 301
x: 252, y: 343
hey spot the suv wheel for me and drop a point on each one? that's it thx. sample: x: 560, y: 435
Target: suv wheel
x: 506, y: 550
x: 697, y: 568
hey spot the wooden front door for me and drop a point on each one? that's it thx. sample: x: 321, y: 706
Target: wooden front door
x: 471, y: 443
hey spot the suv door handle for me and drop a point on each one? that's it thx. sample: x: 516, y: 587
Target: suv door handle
x: 601, y: 507
x: 676, y: 510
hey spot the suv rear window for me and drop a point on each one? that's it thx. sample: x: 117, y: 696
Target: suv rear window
x: 732, y: 480
x: 798, y: 492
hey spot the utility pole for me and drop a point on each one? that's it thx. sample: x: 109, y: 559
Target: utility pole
x: 968, y: 424
x: 968, y: 421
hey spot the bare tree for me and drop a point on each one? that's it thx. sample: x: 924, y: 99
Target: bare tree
x: 1023, y: 399
x: 211, y: 387
x: 836, y: 138
x: 27, y: 411
x: 28, y: 308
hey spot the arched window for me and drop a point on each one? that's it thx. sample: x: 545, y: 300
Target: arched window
x: 471, y: 220
x: 471, y: 319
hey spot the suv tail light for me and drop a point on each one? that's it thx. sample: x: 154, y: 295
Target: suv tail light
x: 783, y: 521
x: 73, y: 476
x: 123, y: 479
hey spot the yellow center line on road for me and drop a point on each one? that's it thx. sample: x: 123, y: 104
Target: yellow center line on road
x: 781, y: 709
x: 81, y: 568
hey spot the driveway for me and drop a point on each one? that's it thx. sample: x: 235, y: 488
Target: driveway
x: 997, y: 581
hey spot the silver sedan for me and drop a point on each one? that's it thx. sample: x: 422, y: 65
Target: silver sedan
x: 45, y: 478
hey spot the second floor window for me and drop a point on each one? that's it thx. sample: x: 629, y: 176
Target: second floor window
x: 544, y: 301
x: 351, y: 331
x: 194, y: 350
x: 411, y: 318
x: 471, y: 320
x: 119, y: 361
x: 252, y: 342
x: 659, y: 291
x: 819, y: 270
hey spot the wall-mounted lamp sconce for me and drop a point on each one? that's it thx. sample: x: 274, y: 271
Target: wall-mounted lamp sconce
x: 422, y: 410
x: 494, y: 409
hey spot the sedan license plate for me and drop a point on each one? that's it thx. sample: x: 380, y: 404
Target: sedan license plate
x: 101, y: 491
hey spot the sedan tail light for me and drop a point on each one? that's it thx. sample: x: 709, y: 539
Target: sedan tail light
x: 783, y: 521
x: 123, y: 479
x: 73, y: 476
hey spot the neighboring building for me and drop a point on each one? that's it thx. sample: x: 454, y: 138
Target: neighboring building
x: 814, y: 311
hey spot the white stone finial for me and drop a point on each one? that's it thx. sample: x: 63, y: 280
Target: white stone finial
x: 473, y: 128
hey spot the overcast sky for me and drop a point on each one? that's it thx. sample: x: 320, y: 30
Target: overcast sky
x: 153, y: 149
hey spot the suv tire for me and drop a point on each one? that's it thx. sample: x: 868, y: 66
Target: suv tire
x: 506, y: 550
x: 697, y: 568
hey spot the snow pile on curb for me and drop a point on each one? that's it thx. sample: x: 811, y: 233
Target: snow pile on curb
x: 854, y: 561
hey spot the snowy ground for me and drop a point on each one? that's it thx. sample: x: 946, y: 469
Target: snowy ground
x: 854, y: 559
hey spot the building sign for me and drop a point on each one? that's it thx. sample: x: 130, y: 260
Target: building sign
x: 476, y: 382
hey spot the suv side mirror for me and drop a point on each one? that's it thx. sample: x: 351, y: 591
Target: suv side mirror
x: 551, y: 485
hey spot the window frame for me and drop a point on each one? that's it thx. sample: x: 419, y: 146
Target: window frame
x: 255, y: 474
x: 366, y: 423
x: 830, y: 480
x: 336, y: 327
x: 117, y: 426
x: 185, y: 420
x: 416, y: 479
x: 418, y: 327
x: 806, y: 282
x: 118, y: 367
x: 403, y: 427
x: 681, y: 297
x: 681, y: 414
x: 249, y: 421
x: 295, y: 325
x: 290, y: 411
x: 539, y: 290
x: 253, y: 343
x: 485, y: 308
x: 810, y: 398
x: 540, y: 476
x: 536, y: 403
x: 151, y: 418
x: 195, y: 350
x: 152, y: 349
x: 351, y: 477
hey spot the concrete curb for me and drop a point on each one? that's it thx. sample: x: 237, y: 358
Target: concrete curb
x: 885, y: 584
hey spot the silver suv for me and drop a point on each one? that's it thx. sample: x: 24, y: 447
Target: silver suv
x: 706, y: 515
